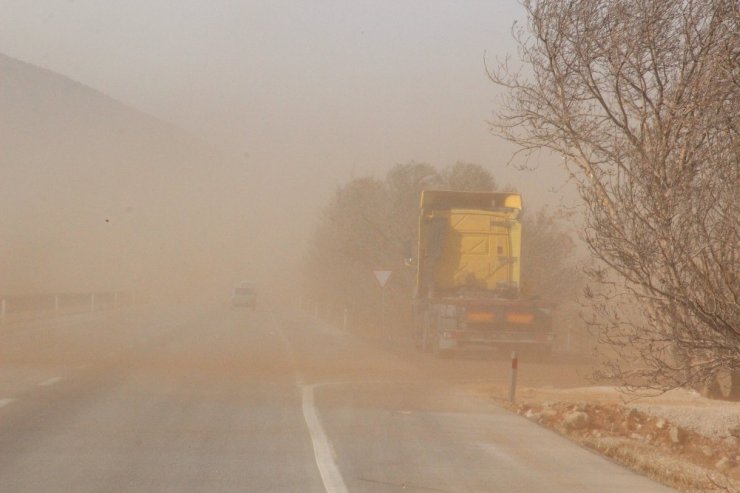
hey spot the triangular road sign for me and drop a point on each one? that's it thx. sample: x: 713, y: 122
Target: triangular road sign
x: 382, y: 276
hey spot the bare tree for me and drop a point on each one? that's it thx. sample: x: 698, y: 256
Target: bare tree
x: 349, y: 240
x: 640, y: 98
x: 550, y: 268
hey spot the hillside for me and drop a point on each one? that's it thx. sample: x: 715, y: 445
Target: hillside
x: 97, y: 195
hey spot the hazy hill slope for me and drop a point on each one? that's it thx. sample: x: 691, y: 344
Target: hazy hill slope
x: 94, y: 194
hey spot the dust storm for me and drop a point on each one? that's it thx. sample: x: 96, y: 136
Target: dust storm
x: 290, y: 246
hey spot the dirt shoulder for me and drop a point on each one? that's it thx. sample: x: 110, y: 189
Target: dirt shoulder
x: 679, y: 438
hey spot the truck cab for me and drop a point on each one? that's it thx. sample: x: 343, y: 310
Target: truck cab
x: 469, y: 275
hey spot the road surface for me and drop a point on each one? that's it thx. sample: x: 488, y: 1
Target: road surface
x: 222, y: 399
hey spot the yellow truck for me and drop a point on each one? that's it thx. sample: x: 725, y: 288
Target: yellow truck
x: 468, y: 288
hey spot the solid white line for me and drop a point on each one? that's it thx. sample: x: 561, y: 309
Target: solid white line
x: 322, y: 451
x: 50, y: 381
x: 330, y: 475
x: 6, y: 401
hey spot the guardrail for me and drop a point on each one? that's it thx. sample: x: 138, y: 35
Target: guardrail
x: 30, y: 306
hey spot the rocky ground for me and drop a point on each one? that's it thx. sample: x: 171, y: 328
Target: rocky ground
x: 679, y: 438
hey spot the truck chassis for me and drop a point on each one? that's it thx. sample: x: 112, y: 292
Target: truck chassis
x: 444, y: 326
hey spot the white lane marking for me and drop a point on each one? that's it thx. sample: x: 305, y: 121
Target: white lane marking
x: 322, y: 451
x: 50, y: 381
x: 6, y: 401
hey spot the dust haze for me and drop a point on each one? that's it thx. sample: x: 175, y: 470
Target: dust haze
x: 276, y: 246
x: 182, y: 153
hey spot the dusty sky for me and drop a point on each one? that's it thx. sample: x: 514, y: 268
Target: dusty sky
x: 312, y: 93
x: 305, y: 94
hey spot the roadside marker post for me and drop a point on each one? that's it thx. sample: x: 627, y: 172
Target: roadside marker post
x: 344, y: 320
x: 514, y: 368
x: 92, y: 302
x: 3, y: 307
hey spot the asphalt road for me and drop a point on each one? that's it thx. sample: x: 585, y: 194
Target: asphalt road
x: 173, y: 399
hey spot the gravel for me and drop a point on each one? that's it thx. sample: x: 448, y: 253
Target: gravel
x: 712, y: 422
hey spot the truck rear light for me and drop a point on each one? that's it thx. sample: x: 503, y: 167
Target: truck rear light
x: 519, y: 318
x: 450, y: 334
x: 480, y: 317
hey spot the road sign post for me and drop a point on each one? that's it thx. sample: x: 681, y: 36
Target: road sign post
x: 382, y: 308
x: 382, y: 276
